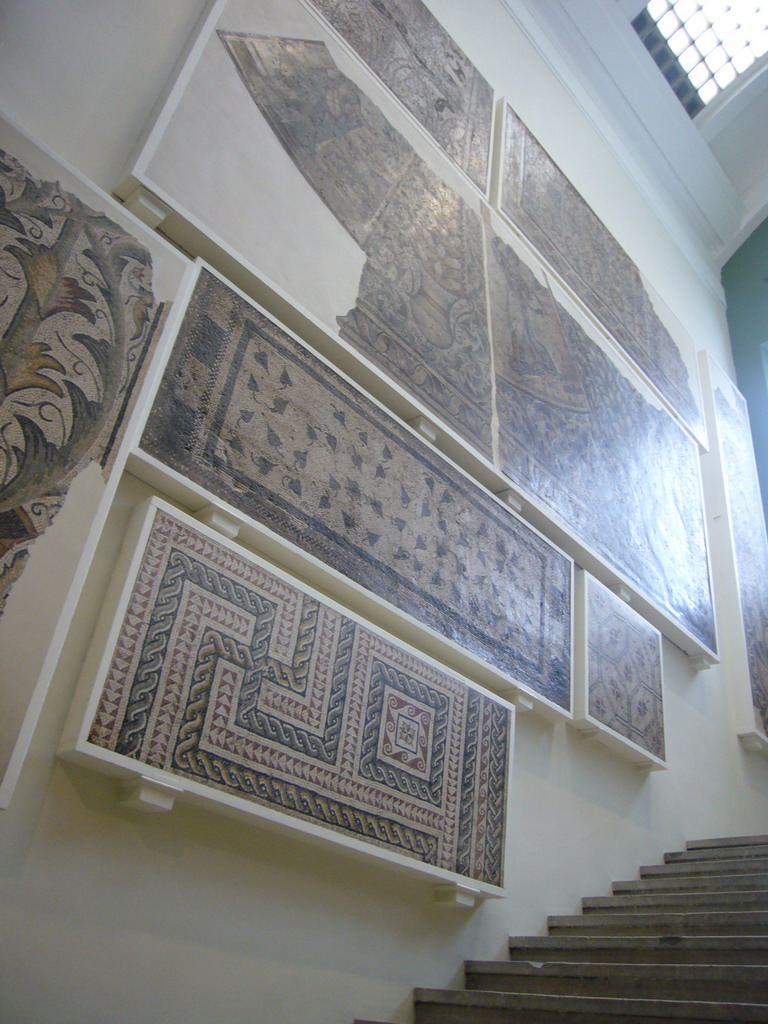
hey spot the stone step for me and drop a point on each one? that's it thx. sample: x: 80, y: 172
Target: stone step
x: 700, y: 982
x: 717, y: 854
x: 649, y: 949
x: 737, y: 866
x: 694, y: 883
x: 676, y: 901
x: 436, y: 1006
x: 705, y: 844
x: 741, y: 922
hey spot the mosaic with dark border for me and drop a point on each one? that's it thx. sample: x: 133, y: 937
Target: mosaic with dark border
x: 247, y: 412
x: 225, y: 674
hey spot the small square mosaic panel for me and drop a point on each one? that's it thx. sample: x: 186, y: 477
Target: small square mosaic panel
x: 229, y: 675
x: 623, y: 670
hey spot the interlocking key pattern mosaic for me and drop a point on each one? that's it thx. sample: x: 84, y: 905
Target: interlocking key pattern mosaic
x: 420, y: 312
x: 581, y: 436
x: 228, y: 675
x: 410, y: 51
x: 749, y: 537
x: 538, y: 197
x: 246, y: 411
x: 624, y: 670
x: 77, y: 320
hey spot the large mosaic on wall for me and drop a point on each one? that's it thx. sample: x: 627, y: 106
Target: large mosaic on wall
x: 574, y: 431
x: 420, y: 311
x: 77, y: 321
x: 226, y: 674
x: 749, y: 536
x: 538, y: 197
x: 250, y: 414
x: 413, y: 54
x: 377, y: 247
x: 623, y: 670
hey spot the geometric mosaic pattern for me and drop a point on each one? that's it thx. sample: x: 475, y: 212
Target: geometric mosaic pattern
x: 749, y: 536
x: 225, y: 674
x: 624, y: 670
x: 252, y: 415
x: 542, y: 202
x: 77, y: 321
x: 410, y: 51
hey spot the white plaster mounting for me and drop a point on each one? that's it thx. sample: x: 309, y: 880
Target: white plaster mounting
x: 148, y: 795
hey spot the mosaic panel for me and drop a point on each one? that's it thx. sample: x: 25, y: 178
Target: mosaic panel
x: 228, y: 675
x: 624, y: 670
x: 539, y: 198
x: 580, y: 437
x: 413, y: 55
x: 77, y: 319
x: 420, y: 311
x: 749, y: 538
x: 250, y: 414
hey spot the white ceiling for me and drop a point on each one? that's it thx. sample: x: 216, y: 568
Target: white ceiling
x: 707, y: 177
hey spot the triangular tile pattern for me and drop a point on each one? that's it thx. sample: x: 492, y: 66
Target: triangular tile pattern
x: 688, y: 941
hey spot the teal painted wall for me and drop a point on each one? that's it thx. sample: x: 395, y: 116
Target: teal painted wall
x: 745, y: 280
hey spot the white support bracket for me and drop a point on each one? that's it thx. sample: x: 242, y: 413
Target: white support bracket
x: 219, y: 520
x: 148, y: 795
x: 700, y: 662
x: 147, y: 207
x: 425, y: 427
x: 452, y: 894
x: 511, y: 499
x: 755, y: 742
x: 622, y: 591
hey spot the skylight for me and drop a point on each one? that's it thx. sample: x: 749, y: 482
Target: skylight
x: 702, y: 47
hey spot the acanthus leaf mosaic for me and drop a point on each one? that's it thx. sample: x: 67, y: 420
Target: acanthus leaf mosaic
x: 228, y: 675
x: 78, y: 319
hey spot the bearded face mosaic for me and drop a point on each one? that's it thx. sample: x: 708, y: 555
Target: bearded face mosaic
x: 749, y: 539
x: 251, y: 415
x: 539, y: 199
x: 420, y: 310
x: 77, y: 319
x: 411, y: 52
x: 624, y: 670
x: 225, y: 674
x: 577, y: 434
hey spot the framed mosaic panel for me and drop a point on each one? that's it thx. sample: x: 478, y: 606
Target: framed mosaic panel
x: 736, y: 491
x: 618, y: 693
x: 226, y: 680
x: 257, y: 420
x: 538, y: 198
x: 580, y: 434
x: 84, y: 293
x: 307, y: 183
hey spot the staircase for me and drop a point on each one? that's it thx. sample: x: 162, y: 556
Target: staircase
x: 687, y: 942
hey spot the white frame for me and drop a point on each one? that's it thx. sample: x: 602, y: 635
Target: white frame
x: 588, y: 726
x: 153, y: 790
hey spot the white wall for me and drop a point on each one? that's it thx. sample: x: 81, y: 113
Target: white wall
x: 107, y: 916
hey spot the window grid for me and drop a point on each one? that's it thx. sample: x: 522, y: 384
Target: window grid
x: 701, y: 47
